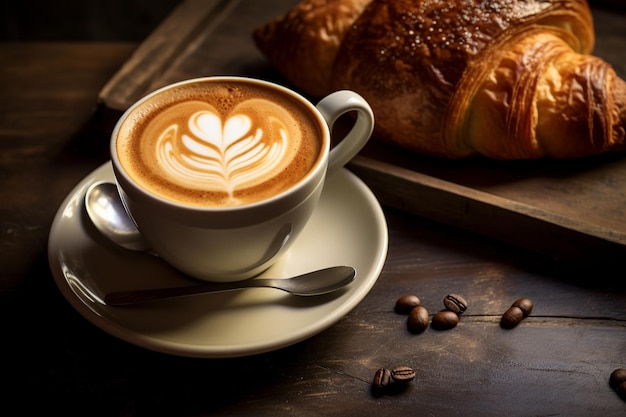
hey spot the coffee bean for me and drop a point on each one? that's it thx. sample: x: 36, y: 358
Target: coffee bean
x: 403, y: 374
x: 511, y: 317
x: 524, y: 304
x: 417, y: 321
x: 445, y: 320
x: 618, y: 376
x: 406, y: 303
x: 455, y: 303
x: 382, y: 377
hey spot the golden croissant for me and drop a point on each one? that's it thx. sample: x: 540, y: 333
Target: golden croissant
x: 505, y: 79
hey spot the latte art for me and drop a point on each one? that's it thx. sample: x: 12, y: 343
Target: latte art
x: 226, y: 155
x: 219, y: 144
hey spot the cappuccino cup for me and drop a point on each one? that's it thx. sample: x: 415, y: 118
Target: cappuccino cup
x: 221, y: 174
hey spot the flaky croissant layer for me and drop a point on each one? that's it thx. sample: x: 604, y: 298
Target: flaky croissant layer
x: 503, y: 78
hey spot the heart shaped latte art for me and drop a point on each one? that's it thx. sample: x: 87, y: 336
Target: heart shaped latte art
x: 209, y: 151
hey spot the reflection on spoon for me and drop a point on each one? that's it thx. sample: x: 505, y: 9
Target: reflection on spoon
x: 318, y: 282
x: 107, y: 213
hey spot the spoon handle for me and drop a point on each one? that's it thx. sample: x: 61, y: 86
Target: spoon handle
x: 120, y: 298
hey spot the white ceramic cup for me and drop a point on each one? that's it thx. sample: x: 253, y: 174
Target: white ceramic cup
x: 235, y: 243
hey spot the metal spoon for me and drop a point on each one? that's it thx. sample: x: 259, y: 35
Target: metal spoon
x: 318, y: 282
x: 107, y: 213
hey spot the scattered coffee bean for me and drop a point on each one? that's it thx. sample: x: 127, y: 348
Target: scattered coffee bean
x: 382, y: 377
x: 519, y: 310
x: 403, y: 374
x: 417, y: 321
x: 392, y: 382
x: 511, y: 317
x: 621, y: 390
x: 445, y: 320
x: 524, y: 304
x: 406, y: 303
x: 455, y: 303
x: 618, y: 377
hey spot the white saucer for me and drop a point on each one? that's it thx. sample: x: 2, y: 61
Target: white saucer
x: 348, y: 228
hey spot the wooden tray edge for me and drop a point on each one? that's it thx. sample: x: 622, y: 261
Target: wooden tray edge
x: 159, y: 51
x: 486, y: 214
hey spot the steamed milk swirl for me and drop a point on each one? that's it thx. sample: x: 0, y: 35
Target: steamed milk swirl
x: 218, y: 144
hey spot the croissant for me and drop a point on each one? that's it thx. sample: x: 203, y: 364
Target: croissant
x: 505, y: 79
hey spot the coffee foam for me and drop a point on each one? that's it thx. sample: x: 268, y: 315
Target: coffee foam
x: 219, y: 144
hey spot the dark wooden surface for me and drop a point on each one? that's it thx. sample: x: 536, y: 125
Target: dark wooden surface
x: 557, y: 362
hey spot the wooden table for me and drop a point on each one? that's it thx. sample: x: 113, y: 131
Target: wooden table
x: 556, y: 362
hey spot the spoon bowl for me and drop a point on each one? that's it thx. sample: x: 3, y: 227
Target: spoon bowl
x: 107, y: 213
x: 318, y: 282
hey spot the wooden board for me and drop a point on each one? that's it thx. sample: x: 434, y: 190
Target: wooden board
x: 565, y: 209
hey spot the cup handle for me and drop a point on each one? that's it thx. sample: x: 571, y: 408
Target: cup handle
x: 332, y: 107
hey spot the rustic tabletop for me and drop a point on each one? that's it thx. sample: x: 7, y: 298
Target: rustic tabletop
x: 557, y: 361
